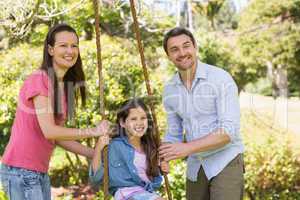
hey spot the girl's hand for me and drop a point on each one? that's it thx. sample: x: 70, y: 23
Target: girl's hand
x: 165, y: 167
x: 102, y: 142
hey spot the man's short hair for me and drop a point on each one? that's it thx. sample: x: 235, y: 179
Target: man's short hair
x: 175, y: 32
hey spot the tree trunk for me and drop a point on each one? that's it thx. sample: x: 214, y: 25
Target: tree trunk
x: 190, y: 16
x: 184, y: 14
x: 178, y: 13
x: 212, y: 23
x: 88, y: 30
x: 270, y: 76
x: 281, y: 80
x: 278, y: 77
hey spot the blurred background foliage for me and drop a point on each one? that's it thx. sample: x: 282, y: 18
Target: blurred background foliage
x: 259, y: 44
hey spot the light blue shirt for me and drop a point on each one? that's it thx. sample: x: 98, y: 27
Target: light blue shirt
x: 211, y: 104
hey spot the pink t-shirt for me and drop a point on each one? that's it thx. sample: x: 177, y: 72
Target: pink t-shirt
x: 27, y: 147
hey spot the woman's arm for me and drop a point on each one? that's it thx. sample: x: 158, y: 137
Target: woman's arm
x: 101, y: 143
x: 44, y: 112
x: 77, y: 148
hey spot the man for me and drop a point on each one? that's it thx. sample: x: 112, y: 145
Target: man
x: 202, y: 106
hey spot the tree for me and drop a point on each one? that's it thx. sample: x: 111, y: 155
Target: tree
x: 115, y: 19
x: 270, y: 37
x: 227, y: 17
x: 209, y: 9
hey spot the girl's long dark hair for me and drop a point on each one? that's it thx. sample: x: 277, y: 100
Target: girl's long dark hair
x: 148, y: 140
x: 73, y: 79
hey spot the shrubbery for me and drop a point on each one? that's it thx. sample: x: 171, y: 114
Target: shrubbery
x: 15, y: 65
x: 272, y: 172
x: 272, y: 169
x: 2, y: 195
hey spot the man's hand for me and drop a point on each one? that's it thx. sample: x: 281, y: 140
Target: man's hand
x: 174, y: 151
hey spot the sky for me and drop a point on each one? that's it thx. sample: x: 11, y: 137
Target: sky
x: 240, y: 4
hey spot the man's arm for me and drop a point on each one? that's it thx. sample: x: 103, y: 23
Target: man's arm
x: 227, y: 131
x: 209, y: 142
x: 228, y: 109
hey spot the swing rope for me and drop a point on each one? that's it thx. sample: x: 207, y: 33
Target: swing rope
x: 101, y: 91
x: 149, y: 91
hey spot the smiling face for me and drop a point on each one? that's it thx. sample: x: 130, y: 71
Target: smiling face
x: 136, y: 123
x: 182, y: 52
x: 65, y: 50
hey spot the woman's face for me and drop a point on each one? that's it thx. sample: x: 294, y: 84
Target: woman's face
x: 136, y: 123
x: 65, y: 50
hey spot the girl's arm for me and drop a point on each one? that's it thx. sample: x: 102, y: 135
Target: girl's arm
x: 44, y: 112
x: 77, y: 148
x: 165, y: 167
x: 101, y: 143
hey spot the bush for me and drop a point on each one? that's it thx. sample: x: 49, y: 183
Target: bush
x: 69, y: 175
x: 15, y: 65
x: 272, y: 170
x: 177, y: 179
x: 263, y: 86
x: 2, y: 195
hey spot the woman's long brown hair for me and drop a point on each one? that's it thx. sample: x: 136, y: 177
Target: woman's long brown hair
x: 73, y: 79
x: 148, y: 140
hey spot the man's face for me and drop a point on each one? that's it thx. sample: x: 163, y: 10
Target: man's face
x: 182, y: 52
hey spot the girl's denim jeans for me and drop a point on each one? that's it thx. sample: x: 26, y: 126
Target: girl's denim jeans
x: 23, y: 184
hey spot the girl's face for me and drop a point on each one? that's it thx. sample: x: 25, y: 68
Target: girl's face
x: 136, y: 123
x: 65, y: 50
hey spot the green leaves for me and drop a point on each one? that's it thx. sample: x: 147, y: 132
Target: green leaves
x: 270, y: 33
x: 15, y: 65
x: 272, y: 169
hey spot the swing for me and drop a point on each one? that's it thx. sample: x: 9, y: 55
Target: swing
x: 101, y: 90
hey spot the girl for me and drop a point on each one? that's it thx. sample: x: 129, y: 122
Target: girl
x: 45, y: 100
x: 133, y: 164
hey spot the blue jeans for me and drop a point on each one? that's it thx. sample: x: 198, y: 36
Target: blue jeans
x: 23, y: 184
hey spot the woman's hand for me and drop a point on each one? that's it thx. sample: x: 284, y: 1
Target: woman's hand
x: 103, y: 128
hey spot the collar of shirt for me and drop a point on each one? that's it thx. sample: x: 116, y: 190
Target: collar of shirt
x: 201, y: 73
x: 124, y: 139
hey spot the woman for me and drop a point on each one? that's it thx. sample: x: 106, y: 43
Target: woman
x: 45, y: 100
